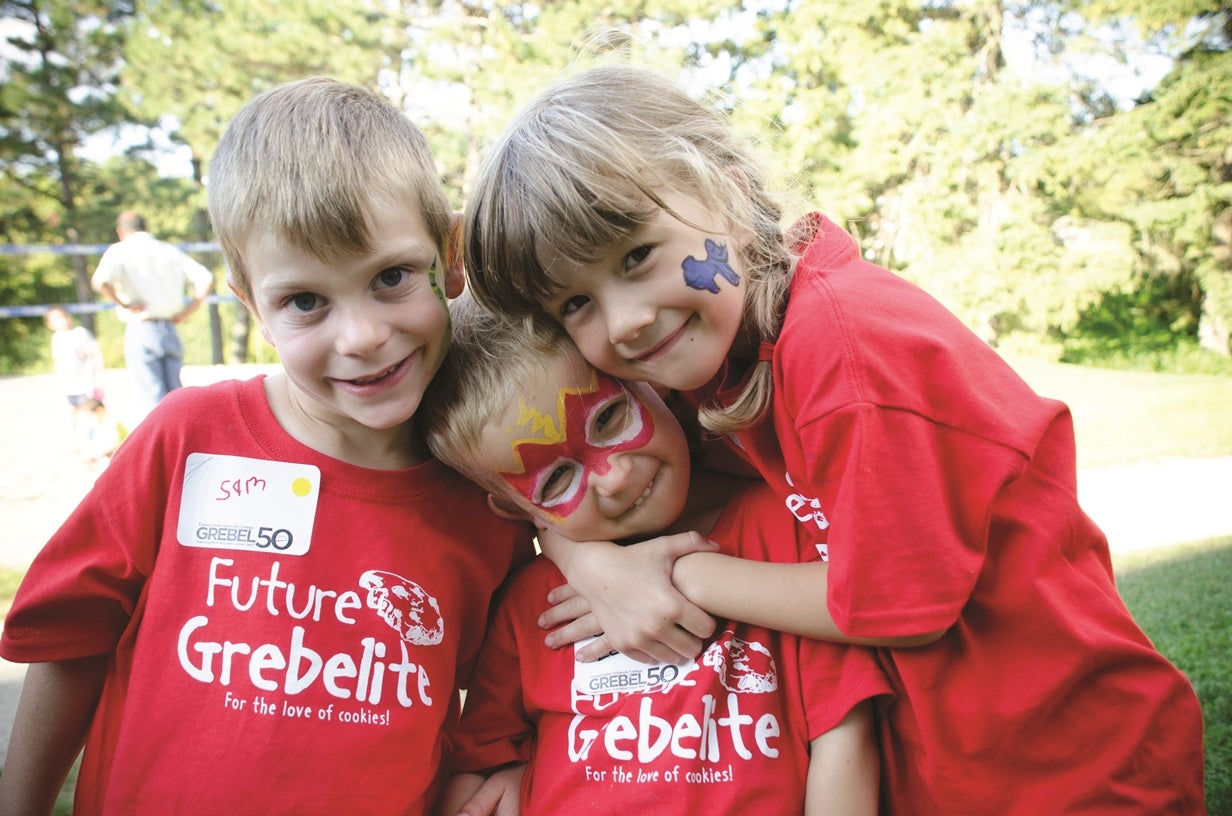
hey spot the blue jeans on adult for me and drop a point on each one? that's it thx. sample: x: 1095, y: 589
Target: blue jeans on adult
x: 154, y: 355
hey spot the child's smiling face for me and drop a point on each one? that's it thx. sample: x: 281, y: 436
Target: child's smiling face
x: 589, y: 457
x: 360, y: 337
x: 665, y: 305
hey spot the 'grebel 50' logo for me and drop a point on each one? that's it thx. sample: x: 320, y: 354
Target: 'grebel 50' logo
x: 263, y: 538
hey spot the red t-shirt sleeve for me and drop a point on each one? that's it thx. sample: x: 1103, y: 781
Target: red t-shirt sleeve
x: 906, y: 428
x: 834, y: 678
x: 912, y: 500
x: 83, y: 587
x: 495, y: 728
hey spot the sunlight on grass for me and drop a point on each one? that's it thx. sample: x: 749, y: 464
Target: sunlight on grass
x: 1122, y: 417
x: 9, y: 579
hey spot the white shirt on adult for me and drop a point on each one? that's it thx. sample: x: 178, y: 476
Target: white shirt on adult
x: 151, y: 273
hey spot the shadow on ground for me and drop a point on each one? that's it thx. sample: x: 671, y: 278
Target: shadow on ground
x: 1182, y: 598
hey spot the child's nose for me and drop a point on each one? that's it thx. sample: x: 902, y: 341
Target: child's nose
x: 360, y: 333
x: 616, y: 478
x: 626, y: 319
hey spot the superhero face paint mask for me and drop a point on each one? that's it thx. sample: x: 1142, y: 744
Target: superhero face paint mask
x: 560, y: 453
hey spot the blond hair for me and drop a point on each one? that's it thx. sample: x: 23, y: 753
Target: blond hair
x: 490, y: 361
x: 585, y: 164
x: 309, y: 161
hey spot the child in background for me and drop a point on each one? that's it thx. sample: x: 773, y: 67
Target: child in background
x: 77, y: 361
x: 943, y: 488
x: 269, y: 598
x: 102, y: 432
x: 761, y: 722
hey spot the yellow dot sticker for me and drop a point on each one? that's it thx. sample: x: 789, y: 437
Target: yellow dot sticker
x: 301, y: 487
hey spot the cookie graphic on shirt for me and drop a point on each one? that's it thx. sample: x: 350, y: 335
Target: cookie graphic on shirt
x: 742, y: 665
x: 405, y: 606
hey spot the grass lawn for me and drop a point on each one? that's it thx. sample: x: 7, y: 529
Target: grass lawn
x: 1182, y: 599
x: 1122, y: 417
x: 1180, y: 595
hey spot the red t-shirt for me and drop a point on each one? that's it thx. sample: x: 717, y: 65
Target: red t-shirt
x: 726, y: 733
x: 288, y: 630
x: 945, y: 492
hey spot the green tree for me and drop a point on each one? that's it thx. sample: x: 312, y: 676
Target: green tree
x: 488, y: 59
x: 901, y: 121
x: 1163, y: 170
x: 1029, y: 207
x: 58, y: 89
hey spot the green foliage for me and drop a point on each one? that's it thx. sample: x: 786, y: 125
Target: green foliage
x: 195, y: 63
x: 42, y: 278
x: 1146, y: 326
x: 490, y: 59
x: 1029, y: 206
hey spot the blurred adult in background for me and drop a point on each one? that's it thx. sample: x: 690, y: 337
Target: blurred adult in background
x: 147, y: 279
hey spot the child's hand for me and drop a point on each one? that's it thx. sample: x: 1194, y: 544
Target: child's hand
x: 499, y: 795
x: 626, y: 595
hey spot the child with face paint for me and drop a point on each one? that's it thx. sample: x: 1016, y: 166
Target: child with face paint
x: 940, y: 487
x: 268, y: 600
x: 761, y: 722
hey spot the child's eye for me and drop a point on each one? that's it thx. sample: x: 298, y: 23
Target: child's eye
x: 303, y: 302
x: 553, y: 482
x: 610, y: 418
x: 636, y: 256
x: 572, y: 304
x: 389, y: 278
x: 615, y: 422
x: 560, y: 486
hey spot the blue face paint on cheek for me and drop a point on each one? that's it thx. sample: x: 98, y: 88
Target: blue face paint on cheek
x: 705, y: 274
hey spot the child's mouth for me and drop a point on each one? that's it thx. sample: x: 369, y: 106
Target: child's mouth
x: 376, y: 377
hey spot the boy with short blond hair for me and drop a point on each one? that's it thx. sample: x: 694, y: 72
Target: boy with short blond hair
x: 760, y: 722
x: 269, y: 599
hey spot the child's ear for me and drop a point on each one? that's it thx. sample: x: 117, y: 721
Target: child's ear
x: 238, y: 291
x: 455, y: 278
x: 507, y: 509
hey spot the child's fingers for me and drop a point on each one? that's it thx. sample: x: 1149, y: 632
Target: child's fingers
x: 567, y: 610
x: 572, y: 631
x: 561, y: 594
x: 495, y: 789
x: 696, y: 621
x: 670, y: 645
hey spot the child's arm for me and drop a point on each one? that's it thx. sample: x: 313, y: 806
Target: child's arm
x: 789, y: 597
x: 470, y: 794
x: 57, y: 702
x: 627, y: 594
x: 844, y: 767
x: 606, y: 586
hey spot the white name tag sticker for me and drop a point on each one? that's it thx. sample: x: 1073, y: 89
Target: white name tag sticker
x: 237, y: 503
x: 620, y: 674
